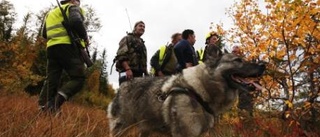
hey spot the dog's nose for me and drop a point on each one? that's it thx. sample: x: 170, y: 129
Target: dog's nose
x: 262, y: 63
x: 262, y: 66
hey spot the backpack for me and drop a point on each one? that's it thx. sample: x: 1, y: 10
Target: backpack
x: 117, y: 62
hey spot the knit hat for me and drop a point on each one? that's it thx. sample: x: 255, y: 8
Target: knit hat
x: 64, y: 1
x: 137, y: 23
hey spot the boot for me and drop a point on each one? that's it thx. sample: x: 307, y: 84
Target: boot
x: 55, y: 107
x: 59, y: 101
x: 48, y: 106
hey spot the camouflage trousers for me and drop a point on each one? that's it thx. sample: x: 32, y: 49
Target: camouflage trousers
x: 61, y: 58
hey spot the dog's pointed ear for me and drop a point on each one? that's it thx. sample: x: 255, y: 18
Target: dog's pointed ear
x: 226, y: 51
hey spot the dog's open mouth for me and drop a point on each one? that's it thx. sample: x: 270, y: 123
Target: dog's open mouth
x: 246, y: 82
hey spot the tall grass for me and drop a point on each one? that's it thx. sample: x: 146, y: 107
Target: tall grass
x: 20, y: 117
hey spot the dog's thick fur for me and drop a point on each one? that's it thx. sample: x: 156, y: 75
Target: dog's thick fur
x: 183, y: 105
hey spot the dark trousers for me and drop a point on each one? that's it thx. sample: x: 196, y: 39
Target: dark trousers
x: 62, y: 57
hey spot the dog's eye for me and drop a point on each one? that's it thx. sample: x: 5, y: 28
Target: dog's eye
x: 238, y: 60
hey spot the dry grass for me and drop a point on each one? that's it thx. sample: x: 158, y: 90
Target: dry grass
x: 20, y: 117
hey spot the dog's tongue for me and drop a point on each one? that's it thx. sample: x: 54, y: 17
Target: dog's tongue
x: 258, y: 87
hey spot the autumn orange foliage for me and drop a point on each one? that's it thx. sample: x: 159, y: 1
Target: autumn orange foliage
x: 16, y: 61
x: 286, y: 35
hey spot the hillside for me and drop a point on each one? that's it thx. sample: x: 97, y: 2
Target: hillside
x: 20, y: 117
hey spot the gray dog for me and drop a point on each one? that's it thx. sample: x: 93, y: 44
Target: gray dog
x: 182, y: 105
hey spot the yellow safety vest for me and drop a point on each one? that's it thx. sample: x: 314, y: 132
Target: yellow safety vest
x: 56, y: 33
x: 162, y: 51
x: 201, y: 54
x: 161, y: 54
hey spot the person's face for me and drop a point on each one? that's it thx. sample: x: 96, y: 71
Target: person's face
x: 76, y: 2
x: 192, y: 39
x: 140, y: 28
x: 213, y: 40
x: 177, y: 39
x: 236, y: 50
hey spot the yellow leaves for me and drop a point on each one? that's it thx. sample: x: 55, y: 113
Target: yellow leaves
x: 216, y: 29
x: 314, y: 11
x: 316, y: 60
x: 278, y: 5
x: 220, y: 30
x: 16, y: 71
x: 307, y: 105
x: 263, y: 35
x: 264, y: 45
x: 7, y: 81
x: 272, y: 54
x: 281, y: 53
x: 293, y: 57
x: 276, y: 34
x: 290, y: 105
x: 297, y: 21
x: 294, y: 123
x: 287, y: 115
x: 312, y: 50
x: 268, y: 6
x: 238, y: 15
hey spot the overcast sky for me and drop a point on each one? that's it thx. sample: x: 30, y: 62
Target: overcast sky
x: 162, y: 19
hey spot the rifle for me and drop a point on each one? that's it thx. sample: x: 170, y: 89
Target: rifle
x: 75, y: 40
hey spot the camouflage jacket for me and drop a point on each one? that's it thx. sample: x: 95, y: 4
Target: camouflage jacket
x: 133, y: 50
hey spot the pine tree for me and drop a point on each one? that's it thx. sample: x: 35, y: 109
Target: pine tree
x: 7, y: 18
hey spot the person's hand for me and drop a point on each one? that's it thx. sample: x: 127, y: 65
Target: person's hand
x: 129, y: 74
x: 87, y: 42
x: 189, y: 65
x: 160, y: 74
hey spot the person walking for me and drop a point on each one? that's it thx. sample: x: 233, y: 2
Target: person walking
x: 185, y: 52
x: 62, y: 55
x: 132, y: 55
x: 164, y: 61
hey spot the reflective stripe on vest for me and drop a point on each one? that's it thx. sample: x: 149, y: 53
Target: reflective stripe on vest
x: 200, y: 53
x: 161, y: 54
x: 56, y: 33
